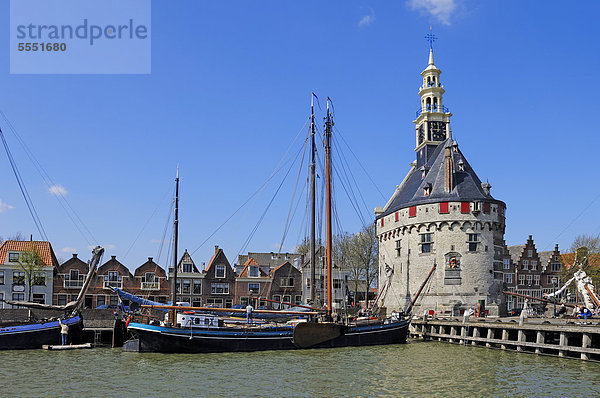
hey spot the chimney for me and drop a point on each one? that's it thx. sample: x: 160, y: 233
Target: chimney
x: 74, y: 255
x: 150, y: 258
x: 216, y: 249
x: 448, y: 171
x: 113, y: 257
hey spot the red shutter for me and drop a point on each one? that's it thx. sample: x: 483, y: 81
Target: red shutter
x: 396, y: 216
x: 412, y: 211
x: 444, y: 208
x: 486, y: 207
x: 464, y: 207
x: 382, y: 221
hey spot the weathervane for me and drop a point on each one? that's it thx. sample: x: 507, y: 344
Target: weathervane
x: 430, y: 38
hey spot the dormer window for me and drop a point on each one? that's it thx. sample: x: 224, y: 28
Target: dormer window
x: 220, y: 271
x: 254, y: 271
x: 74, y: 275
x: 13, y: 257
x: 427, y: 190
x: 461, y: 165
x: 424, y: 171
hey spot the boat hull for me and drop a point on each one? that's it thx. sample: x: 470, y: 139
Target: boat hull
x: 150, y: 338
x: 35, y: 335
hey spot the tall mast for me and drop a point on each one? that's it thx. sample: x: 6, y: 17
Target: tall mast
x: 313, y: 281
x: 328, y: 124
x: 175, y: 239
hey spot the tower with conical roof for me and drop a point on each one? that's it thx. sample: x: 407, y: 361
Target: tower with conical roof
x: 440, y: 214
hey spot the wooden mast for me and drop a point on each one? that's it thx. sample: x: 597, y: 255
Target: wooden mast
x: 175, y: 238
x: 312, y: 204
x: 328, y: 124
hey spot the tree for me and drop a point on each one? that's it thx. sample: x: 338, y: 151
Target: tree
x: 592, y: 243
x: 304, y: 247
x: 17, y: 236
x: 33, y: 266
x: 365, y: 253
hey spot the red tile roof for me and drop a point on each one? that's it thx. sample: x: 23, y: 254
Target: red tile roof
x: 44, y: 249
x: 568, y: 259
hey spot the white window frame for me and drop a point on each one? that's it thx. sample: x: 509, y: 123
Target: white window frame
x: 218, y: 269
x: 253, y: 291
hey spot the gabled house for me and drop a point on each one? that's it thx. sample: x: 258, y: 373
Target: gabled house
x: 269, y: 261
x: 286, y: 285
x: 532, y: 273
x: 189, y: 281
x: 252, y: 283
x: 219, y: 281
x: 68, y: 281
x: 22, y: 282
x: 151, y: 282
x: 111, y: 274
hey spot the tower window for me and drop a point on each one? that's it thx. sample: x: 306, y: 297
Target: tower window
x: 412, y: 211
x: 382, y: 221
x: 426, y: 243
x: 486, y: 207
x: 473, y: 240
x: 435, y: 104
x: 398, y: 247
x: 464, y: 207
x: 396, y: 216
x: 444, y: 208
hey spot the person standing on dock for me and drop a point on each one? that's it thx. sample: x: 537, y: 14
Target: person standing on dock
x: 249, y: 310
x: 64, y: 332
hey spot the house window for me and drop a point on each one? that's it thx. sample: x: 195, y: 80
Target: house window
x: 1, y: 277
x: 287, y: 299
x: 100, y: 300
x: 277, y: 298
x: 521, y: 279
x: 508, y: 278
x: 187, y: 267
x: 244, y: 301
x: 197, y: 287
x: 254, y: 271
x: 287, y: 282
x: 18, y: 278
x: 228, y: 303
x: 13, y: 257
x: 61, y: 299
x: 18, y: 296
x: 525, y: 264
x: 253, y: 288
x: 1, y: 302
x: 337, y: 283
x: 536, y: 279
x: 73, y: 275
x: 398, y: 247
x: 219, y: 288
x: 220, y: 271
x: 412, y: 211
x: 197, y: 302
x: 506, y: 263
x: 533, y: 265
x: 529, y: 279
x: 162, y: 299
x: 149, y: 277
x: 486, y: 207
x: 214, y: 302
x: 555, y: 267
x: 298, y: 300
x: 186, y: 286
x: 307, y: 283
x: 464, y: 207
x: 113, y: 276
x: 473, y: 239
x: 550, y: 278
x: 529, y: 253
x: 39, y: 279
x: 39, y: 298
x: 426, y: 243
x: 444, y: 208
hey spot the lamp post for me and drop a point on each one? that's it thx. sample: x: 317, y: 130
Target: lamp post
x: 554, y: 286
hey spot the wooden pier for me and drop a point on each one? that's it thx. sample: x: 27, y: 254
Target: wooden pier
x: 566, y: 338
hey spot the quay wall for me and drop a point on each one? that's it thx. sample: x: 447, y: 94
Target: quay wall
x: 555, y: 337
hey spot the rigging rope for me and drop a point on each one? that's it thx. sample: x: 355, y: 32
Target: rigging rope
x: 28, y: 201
x: 50, y: 183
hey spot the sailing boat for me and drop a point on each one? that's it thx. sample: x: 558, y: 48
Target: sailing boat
x: 201, y: 333
x: 36, y: 334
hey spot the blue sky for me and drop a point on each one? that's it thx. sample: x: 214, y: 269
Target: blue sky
x: 230, y: 88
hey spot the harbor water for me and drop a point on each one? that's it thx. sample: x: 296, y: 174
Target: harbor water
x: 414, y: 369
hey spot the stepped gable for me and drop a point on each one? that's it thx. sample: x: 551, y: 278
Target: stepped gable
x: 467, y: 185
